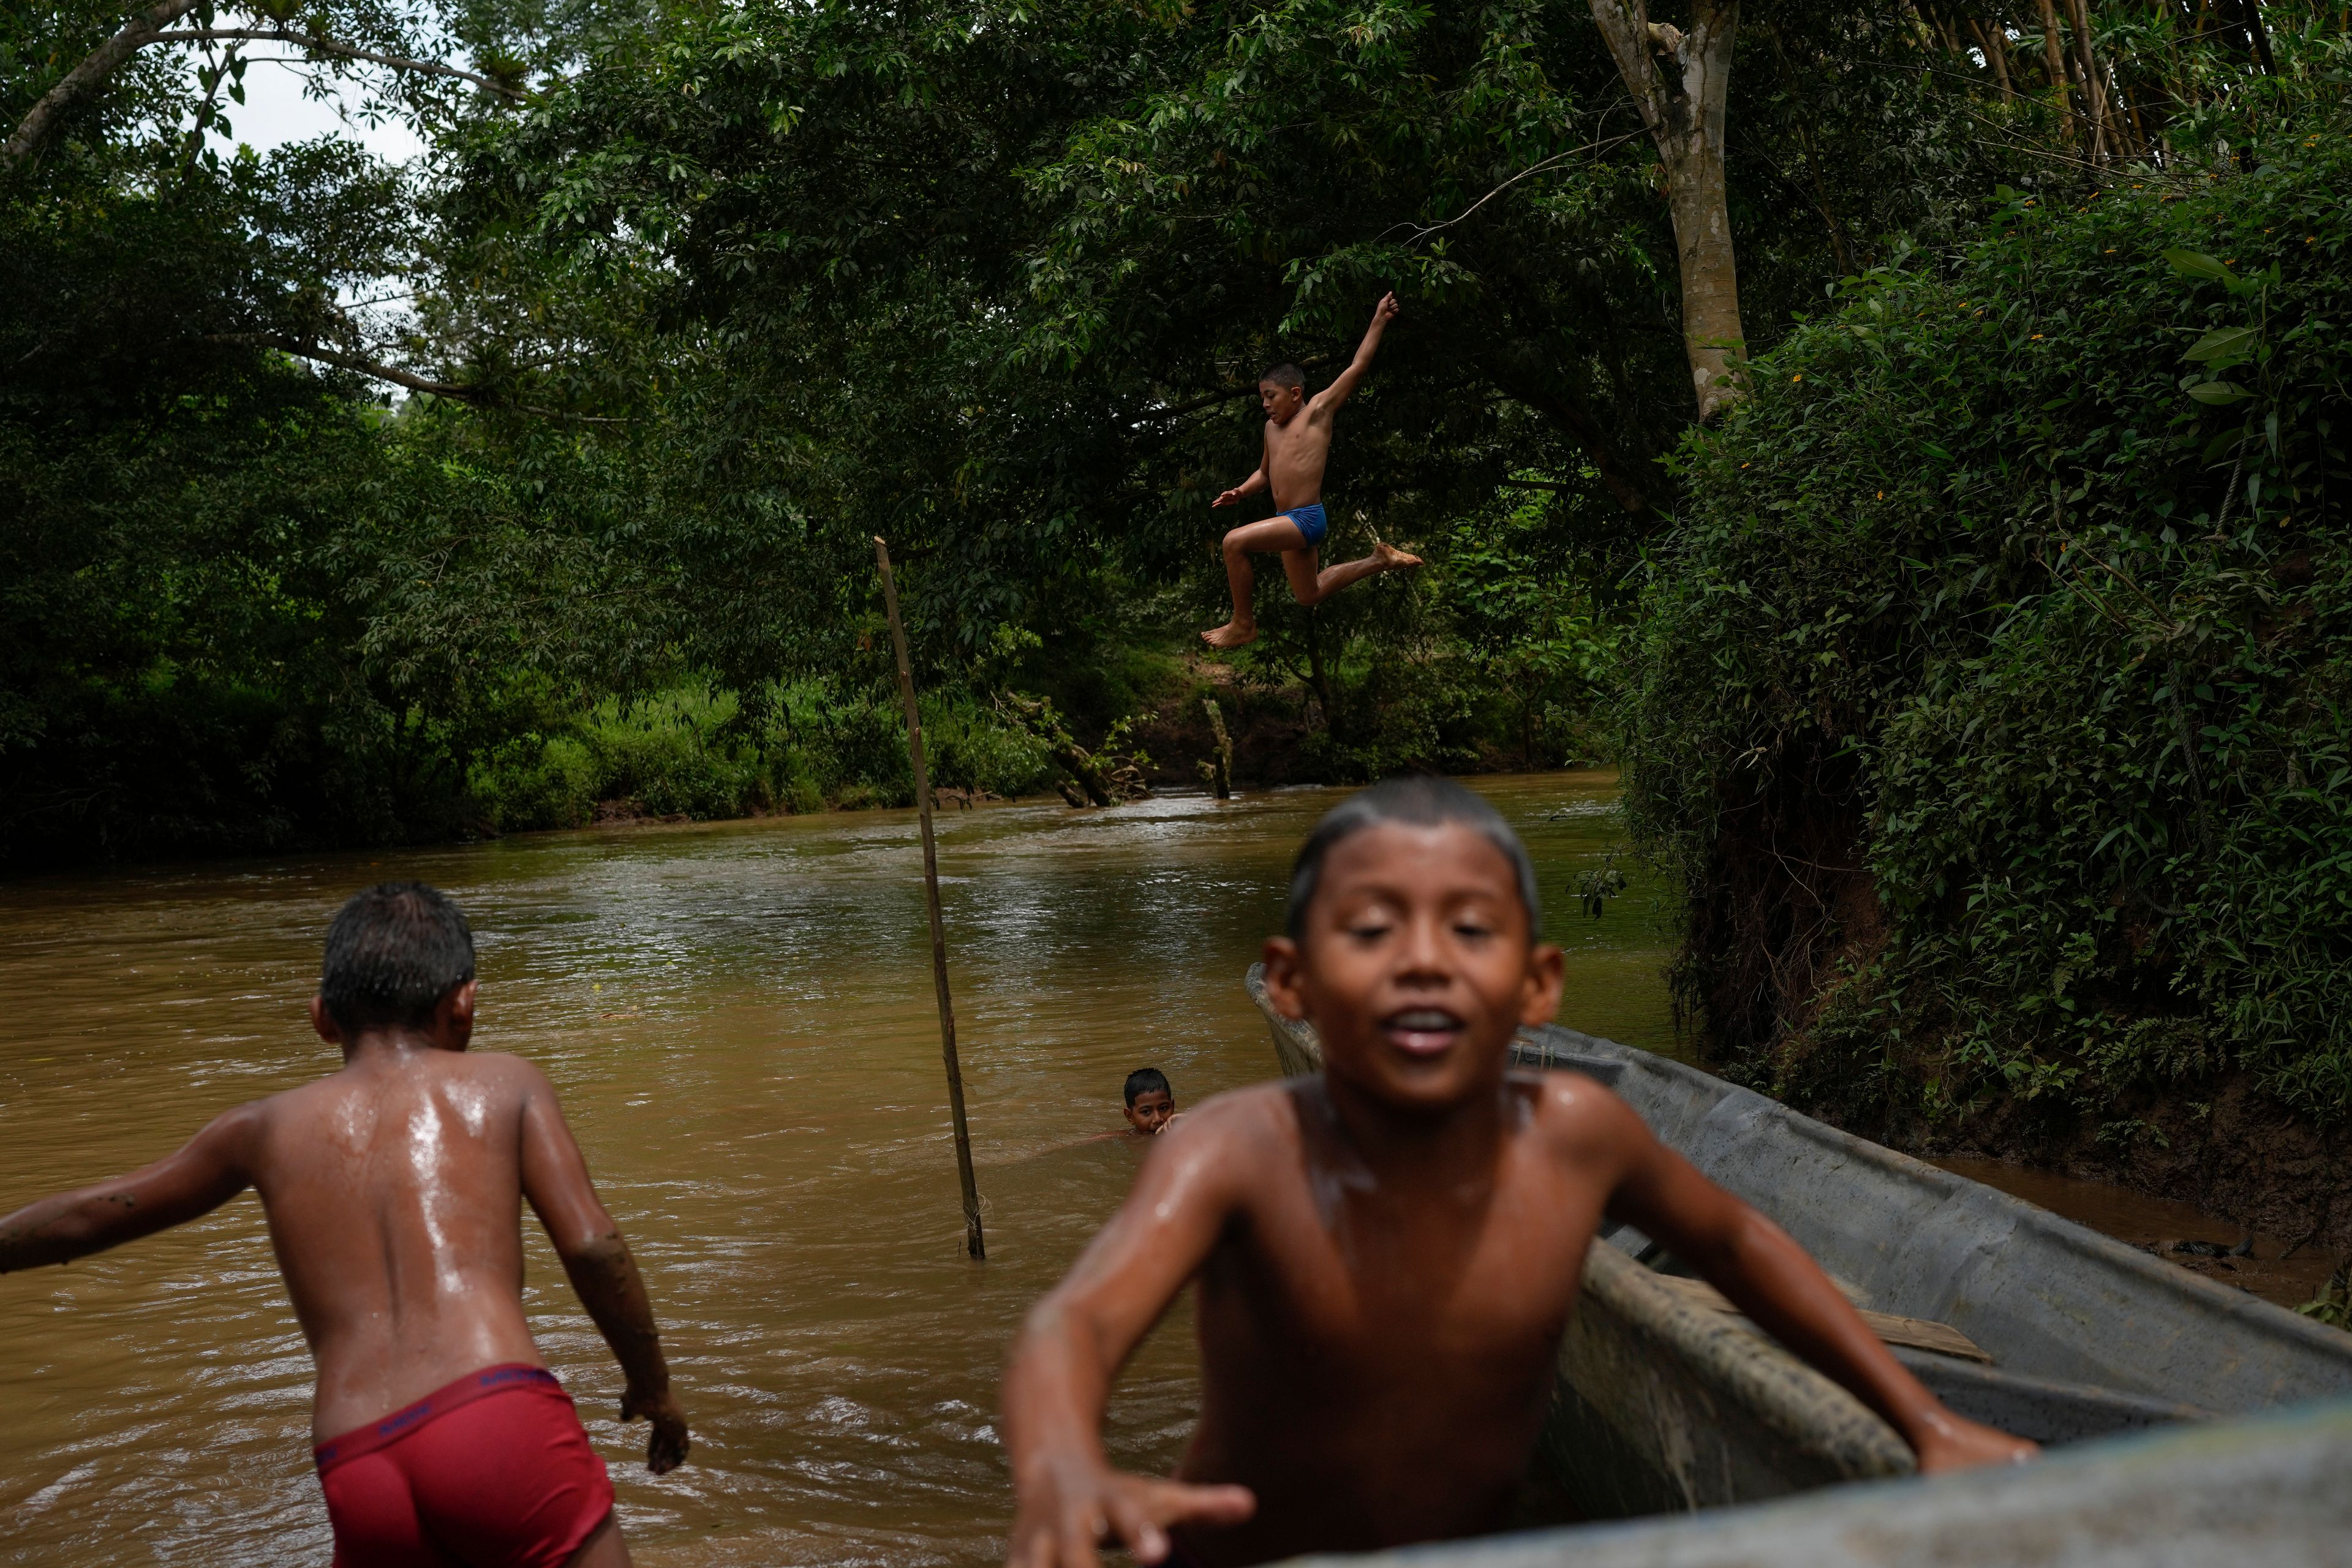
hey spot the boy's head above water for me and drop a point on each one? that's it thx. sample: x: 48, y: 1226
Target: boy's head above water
x: 1412, y: 942
x: 399, y: 959
x: 1150, y: 1103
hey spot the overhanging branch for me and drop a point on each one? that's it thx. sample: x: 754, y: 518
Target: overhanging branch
x: 87, y: 78
x: 340, y: 360
x: 343, y: 51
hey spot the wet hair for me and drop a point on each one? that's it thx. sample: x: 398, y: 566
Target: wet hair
x: 1284, y: 374
x: 392, y: 952
x: 1423, y: 801
x: 1145, y: 1081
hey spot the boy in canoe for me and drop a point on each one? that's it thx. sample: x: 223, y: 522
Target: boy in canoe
x: 1385, y: 1254
x: 1297, y: 444
x: 394, y: 1190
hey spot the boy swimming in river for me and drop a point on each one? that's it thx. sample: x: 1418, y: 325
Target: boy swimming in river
x: 394, y: 1191
x: 1150, y: 1103
x: 1386, y: 1253
x: 1298, y: 444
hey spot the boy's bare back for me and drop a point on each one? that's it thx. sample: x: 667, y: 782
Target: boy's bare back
x: 394, y: 1192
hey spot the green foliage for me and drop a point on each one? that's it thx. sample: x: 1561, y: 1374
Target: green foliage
x: 688, y: 751
x: 2021, y: 590
x: 2333, y: 1304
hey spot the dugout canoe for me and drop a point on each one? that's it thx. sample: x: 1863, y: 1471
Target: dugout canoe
x: 1664, y: 1404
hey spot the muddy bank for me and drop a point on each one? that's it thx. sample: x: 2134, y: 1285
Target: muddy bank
x: 2225, y: 1148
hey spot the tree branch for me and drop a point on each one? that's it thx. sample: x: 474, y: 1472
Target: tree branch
x: 475, y: 396
x: 40, y: 122
x: 345, y: 51
x: 340, y: 360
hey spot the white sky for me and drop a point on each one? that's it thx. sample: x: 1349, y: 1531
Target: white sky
x: 275, y: 112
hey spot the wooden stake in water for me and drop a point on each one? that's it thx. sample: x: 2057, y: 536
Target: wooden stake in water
x: 972, y: 1237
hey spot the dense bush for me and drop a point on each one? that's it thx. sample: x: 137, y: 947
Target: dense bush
x: 692, y: 751
x: 1996, y: 699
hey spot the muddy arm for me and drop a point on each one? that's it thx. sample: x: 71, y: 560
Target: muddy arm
x: 1067, y: 1497
x: 602, y: 1273
x: 1772, y: 1280
x: 205, y: 1173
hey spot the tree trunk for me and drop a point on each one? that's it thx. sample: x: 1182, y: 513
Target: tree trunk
x: 1219, y: 764
x: 1685, y: 119
x: 2104, y: 147
x: 2053, y: 60
x: 1991, y: 39
x: 86, y: 79
x: 1320, y: 678
x: 2259, y: 36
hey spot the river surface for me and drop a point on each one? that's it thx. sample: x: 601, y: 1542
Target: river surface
x: 739, y: 1018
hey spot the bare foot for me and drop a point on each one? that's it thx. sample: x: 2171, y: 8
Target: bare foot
x: 1233, y: 634
x: 1391, y: 558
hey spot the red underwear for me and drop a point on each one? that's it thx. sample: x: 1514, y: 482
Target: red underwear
x: 492, y: 1471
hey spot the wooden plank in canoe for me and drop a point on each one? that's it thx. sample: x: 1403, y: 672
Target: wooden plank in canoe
x: 1919, y: 1333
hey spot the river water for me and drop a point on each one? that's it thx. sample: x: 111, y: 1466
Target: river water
x: 739, y: 1018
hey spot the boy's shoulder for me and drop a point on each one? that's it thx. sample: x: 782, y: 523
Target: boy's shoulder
x: 1577, y: 1116
x: 1241, y: 1112
x: 1239, y: 1128
x: 504, y: 1077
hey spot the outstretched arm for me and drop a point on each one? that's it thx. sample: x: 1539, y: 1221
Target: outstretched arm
x: 1068, y: 1500
x: 1770, y: 1277
x: 1336, y: 393
x: 604, y: 1274
x: 211, y: 1169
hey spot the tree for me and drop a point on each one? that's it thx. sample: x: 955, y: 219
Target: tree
x: 1685, y: 116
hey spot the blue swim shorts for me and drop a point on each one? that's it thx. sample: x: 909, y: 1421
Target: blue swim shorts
x: 1310, y: 522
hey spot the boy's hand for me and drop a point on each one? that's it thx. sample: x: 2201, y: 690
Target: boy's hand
x: 1387, y: 309
x: 665, y: 1449
x: 1948, y: 1443
x: 1230, y: 497
x: 1065, y: 1517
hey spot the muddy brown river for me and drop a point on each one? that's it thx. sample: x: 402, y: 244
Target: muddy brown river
x: 739, y: 1019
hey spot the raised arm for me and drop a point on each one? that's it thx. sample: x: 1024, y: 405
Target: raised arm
x: 1772, y: 1278
x: 1068, y: 1500
x: 1331, y: 396
x: 604, y: 1274
x: 212, y: 1168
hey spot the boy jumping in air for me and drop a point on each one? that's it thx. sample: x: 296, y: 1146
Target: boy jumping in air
x: 1385, y: 1254
x: 394, y: 1190
x: 1298, y: 444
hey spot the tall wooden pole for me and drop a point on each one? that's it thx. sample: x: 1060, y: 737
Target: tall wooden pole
x: 973, y: 1242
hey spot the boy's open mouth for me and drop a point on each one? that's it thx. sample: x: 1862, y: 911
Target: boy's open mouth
x: 1423, y: 1031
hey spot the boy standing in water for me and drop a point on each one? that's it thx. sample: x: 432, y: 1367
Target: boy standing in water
x: 1386, y: 1253
x: 1298, y: 444
x: 394, y: 1190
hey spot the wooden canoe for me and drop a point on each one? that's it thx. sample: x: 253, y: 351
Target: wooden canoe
x: 1665, y: 1403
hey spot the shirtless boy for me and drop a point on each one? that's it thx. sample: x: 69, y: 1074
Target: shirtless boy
x: 1386, y: 1253
x: 1150, y: 1103
x: 1298, y: 444
x: 394, y: 1190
